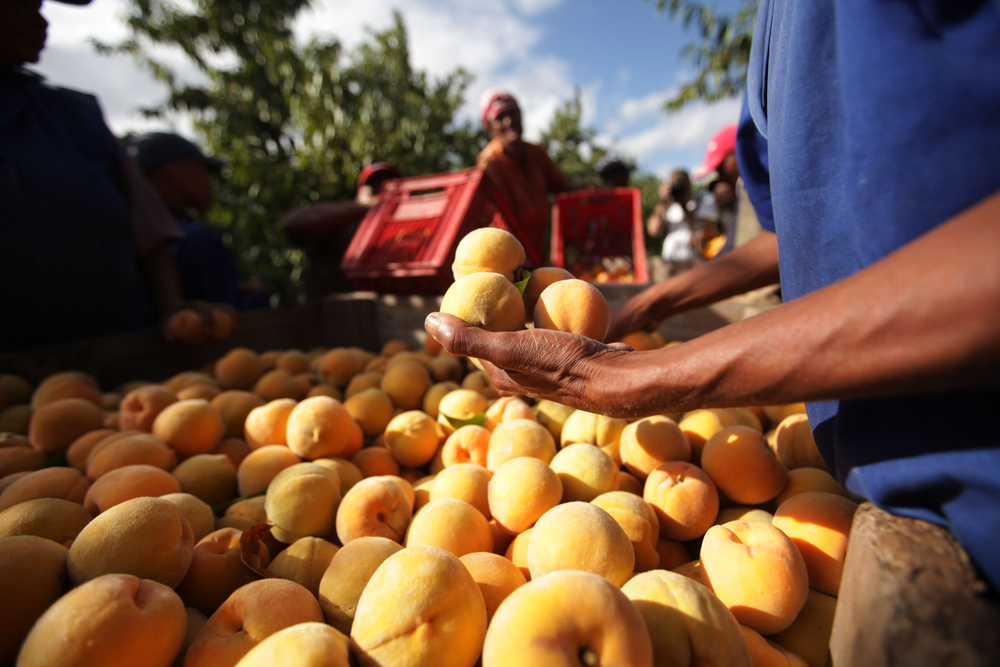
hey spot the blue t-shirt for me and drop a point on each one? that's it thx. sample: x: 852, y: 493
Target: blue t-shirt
x: 865, y: 125
x: 68, y: 262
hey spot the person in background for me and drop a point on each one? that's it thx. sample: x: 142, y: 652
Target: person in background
x: 325, y: 230
x: 614, y: 173
x: 523, y: 172
x: 179, y: 172
x: 672, y: 216
x: 85, y: 241
x: 890, y: 329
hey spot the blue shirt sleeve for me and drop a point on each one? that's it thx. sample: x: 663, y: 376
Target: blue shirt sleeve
x: 751, y: 155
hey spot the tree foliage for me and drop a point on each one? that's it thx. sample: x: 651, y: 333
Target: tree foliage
x: 571, y: 146
x: 721, y: 53
x: 296, y: 123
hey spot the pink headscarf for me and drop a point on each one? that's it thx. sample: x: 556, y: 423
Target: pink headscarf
x: 493, y: 103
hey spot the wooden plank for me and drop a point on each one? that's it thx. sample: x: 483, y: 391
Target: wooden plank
x: 910, y: 596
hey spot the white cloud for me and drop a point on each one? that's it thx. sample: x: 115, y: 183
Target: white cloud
x: 536, y: 6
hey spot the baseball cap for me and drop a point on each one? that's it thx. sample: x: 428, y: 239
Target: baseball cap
x: 719, y: 146
x: 493, y: 103
x: 74, y: 2
x: 378, y: 168
x: 157, y: 148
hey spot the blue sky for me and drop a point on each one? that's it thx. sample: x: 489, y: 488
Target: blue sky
x: 623, y: 57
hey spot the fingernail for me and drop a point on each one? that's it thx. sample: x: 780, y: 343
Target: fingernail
x: 431, y: 322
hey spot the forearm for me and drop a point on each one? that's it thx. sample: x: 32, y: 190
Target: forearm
x: 160, y: 271
x: 319, y: 222
x: 925, y: 318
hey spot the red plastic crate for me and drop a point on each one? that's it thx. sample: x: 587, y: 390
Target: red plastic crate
x: 600, y: 230
x: 406, y: 243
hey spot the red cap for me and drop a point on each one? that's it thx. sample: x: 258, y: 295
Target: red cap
x: 719, y: 146
x: 378, y: 168
x: 493, y: 103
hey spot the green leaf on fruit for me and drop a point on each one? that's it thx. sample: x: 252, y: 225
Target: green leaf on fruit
x: 478, y: 419
x: 521, y: 279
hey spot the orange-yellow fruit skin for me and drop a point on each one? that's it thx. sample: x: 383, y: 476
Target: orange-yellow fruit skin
x: 742, y: 465
x: 347, y: 575
x: 685, y: 500
x: 574, y: 306
x: 190, y: 427
x: 34, y: 577
x: 651, y: 442
x: 452, y: 525
x: 319, y: 426
x: 56, y: 425
x: 486, y: 300
x: 488, y: 249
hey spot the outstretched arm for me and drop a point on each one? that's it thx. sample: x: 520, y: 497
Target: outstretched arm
x: 925, y: 318
x: 320, y: 222
x: 749, y: 267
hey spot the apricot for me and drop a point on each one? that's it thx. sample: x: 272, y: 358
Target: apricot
x: 485, y: 300
x: 187, y: 326
x: 348, y: 473
x: 452, y: 525
x: 261, y: 466
x: 266, y: 424
x: 126, y: 483
x: 375, y: 506
x: 758, y: 573
x: 134, y: 450
x: 217, y: 570
x: 488, y: 250
x: 672, y: 554
x: 34, y: 577
x: 585, y: 472
x: 140, y: 406
x: 650, y: 442
x: 55, y: 425
x: 567, y: 618
x: 145, y: 537
x: 630, y: 483
x: 20, y: 459
x: 302, y: 501
x: 574, y: 306
x: 496, y: 576
x: 580, y: 536
x: 78, y: 453
x: 347, y: 576
x: 362, y: 381
x: 638, y: 519
x: 743, y: 513
x: 238, y: 369
x: 468, y: 444
x: 479, y: 382
x: 187, y: 378
x: 305, y: 561
x: 319, y: 426
x: 234, y: 406
x: 199, y: 390
x: 197, y: 512
x: 405, y: 383
x: 521, y: 491
x: 114, y: 620
x: 245, y: 514
x: 700, y: 425
x: 11, y: 478
x: 684, y: 498
x: 446, y: 368
x: 434, y: 394
x: 190, y: 427
x: 460, y: 405
x: 517, y: 438
x: 68, y: 384
x: 337, y: 367
x: 777, y: 413
x: 15, y: 419
x: 371, y: 409
x: 742, y: 465
x: 689, y: 625
x: 375, y: 461
x: 292, y: 361
x: 210, y: 477
x: 746, y: 417
x: 517, y: 552
x: 54, y: 519
x: 16, y: 388
x: 641, y: 341
x: 58, y: 482
x: 464, y: 481
x: 325, y: 390
x: 505, y: 409
x: 412, y: 437
x: 392, y: 347
x: 765, y: 653
x: 552, y: 416
x: 250, y: 615
x: 235, y: 449
x: 277, y: 384
x: 802, y: 480
x: 587, y: 427
x: 819, y: 524
x: 303, y: 645
x: 809, y: 634
x: 794, y: 444
x: 539, y: 280
x: 420, y: 607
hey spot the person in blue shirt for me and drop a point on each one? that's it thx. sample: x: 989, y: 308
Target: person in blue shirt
x: 179, y: 172
x: 83, y: 239
x: 868, y: 143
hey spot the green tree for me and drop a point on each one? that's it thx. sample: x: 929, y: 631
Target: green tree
x: 567, y: 141
x: 721, y: 53
x: 296, y: 123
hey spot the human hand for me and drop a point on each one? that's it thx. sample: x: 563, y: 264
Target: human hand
x: 553, y: 365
